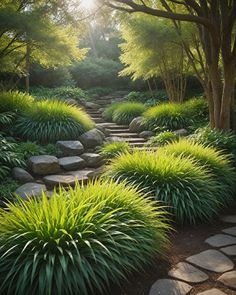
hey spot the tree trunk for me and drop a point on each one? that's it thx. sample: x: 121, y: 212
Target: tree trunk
x: 27, y: 68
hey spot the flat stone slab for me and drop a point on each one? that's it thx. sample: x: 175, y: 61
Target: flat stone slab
x: 213, y: 291
x: 71, y: 147
x: 228, y: 279
x: 63, y: 180
x: 229, y: 218
x: 30, y: 189
x: 188, y: 273
x: 220, y: 240
x: 92, y: 160
x: 231, y: 250
x: 212, y: 260
x: 44, y: 165
x: 72, y: 163
x: 169, y: 287
x: 230, y: 231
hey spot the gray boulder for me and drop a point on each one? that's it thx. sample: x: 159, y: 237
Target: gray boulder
x: 137, y: 125
x: 181, y: 132
x: 56, y: 180
x: 70, y: 147
x: 30, y: 190
x: 146, y: 134
x: 44, y: 165
x: 92, y: 160
x: 92, y: 105
x: 22, y: 175
x: 92, y: 138
x: 72, y: 163
x: 112, y: 139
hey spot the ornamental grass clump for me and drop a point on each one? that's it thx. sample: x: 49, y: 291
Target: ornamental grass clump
x: 108, y: 112
x: 167, y: 115
x: 163, y: 138
x: 127, y: 111
x: 15, y: 101
x: 180, y: 183
x: 113, y: 149
x: 78, y: 241
x: 49, y: 121
x: 215, y: 161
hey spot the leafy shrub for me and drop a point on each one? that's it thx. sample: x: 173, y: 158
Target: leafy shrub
x: 109, y: 111
x: 7, y: 189
x: 99, y: 91
x: 9, y: 158
x: 221, y: 140
x: 187, y: 188
x: 163, y: 138
x: 167, y: 115
x: 78, y: 241
x: 49, y: 121
x: 127, y: 111
x: 112, y: 150
x: 217, y: 163
x: 147, y: 97
x: 15, y: 101
x: 196, y: 108
x: 6, y: 118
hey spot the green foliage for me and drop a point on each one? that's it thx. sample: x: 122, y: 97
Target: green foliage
x: 49, y: 121
x: 99, y: 91
x: 215, y: 161
x: 163, y: 138
x: 15, y: 101
x: 78, y: 241
x: 166, y: 115
x: 6, y: 118
x: 127, y: 111
x: 196, y: 108
x: 180, y: 183
x: 9, y: 158
x: 112, y: 150
x: 109, y: 111
x: 7, y: 189
x: 221, y: 140
x: 149, y: 98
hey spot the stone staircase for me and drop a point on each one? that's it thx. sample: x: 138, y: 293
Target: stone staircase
x: 113, y: 129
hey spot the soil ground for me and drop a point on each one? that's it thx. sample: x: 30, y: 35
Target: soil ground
x: 186, y: 241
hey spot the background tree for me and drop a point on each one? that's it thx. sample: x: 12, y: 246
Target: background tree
x: 215, y: 20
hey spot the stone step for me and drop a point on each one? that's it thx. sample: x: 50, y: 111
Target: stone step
x: 113, y: 126
x: 98, y: 120
x: 136, y: 139
x: 94, y: 113
x: 124, y: 134
x: 136, y: 144
x: 144, y: 148
x: 116, y: 131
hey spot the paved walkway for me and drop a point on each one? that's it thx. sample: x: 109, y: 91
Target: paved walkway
x: 219, y: 259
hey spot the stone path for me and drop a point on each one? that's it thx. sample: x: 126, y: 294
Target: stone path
x: 195, y: 270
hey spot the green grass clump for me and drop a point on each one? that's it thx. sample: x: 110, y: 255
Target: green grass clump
x: 15, y: 101
x: 215, y: 161
x: 78, y: 241
x: 127, y: 111
x: 49, y: 121
x: 163, y: 138
x: 180, y: 183
x: 166, y: 115
x: 108, y: 112
x: 113, y: 149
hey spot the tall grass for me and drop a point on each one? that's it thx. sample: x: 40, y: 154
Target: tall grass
x: 127, y: 111
x: 49, y: 121
x: 180, y: 183
x: 15, y: 101
x: 78, y: 241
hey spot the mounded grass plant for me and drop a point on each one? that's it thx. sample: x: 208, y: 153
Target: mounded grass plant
x: 167, y: 115
x: 127, y: 111
x: 215, y: 161
x: 49, y: 121
x: 78, y: 241
x: 163, y: 138
x: 113, y: 149
x: 180, y: 183
x: 15, y: 101
x: 108, y: 112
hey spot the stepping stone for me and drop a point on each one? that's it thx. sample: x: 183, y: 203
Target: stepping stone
x: 124, y: 135
x: 72, y: 163
x: 231, y: 250
x: 63, y: 180
x: 92, y: 160
x: 220, y: 240
x: 30, y: 190
x: 22, y: 175
x: 169, y: 287
x: 44, y: 165
x: 230, y: 231
x: 229, y: 218
x: 212, y: 260
x: 71, y: 147
x: 228, y: 279
x: 213, y: 291
x: 187, y: 272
